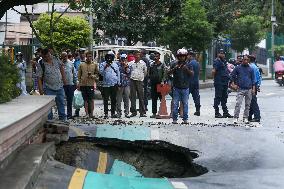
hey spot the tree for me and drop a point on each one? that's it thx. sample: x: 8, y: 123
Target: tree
x: 189, y: 29
x: 222, y: 13
x: 246, y: 32
x: 75, y: 5
x: 9, y: 77
x: 8, y: 4
x: 135, y: 20
x: 68, y: 32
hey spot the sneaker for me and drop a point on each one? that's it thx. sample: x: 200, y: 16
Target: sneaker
x: 197, y: 113
x: 113, y: 116
x: 185, y: 122
x: 153, y: 116
x: 105, y: 116
x: 246, y: 121
x: 127, y: 116
x: 143, y: 115
x: 218, y: 115
x: 255, y: 120
x: 227, y: 115
x: 175, y: 122
x: 236, y: 121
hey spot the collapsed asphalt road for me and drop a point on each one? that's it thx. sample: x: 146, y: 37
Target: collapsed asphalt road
x: 235, y: 156
x: 154, y: 159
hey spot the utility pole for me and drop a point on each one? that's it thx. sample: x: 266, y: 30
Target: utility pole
x: 273, y: 21
x: 6, y: 26
x: 91, y: 35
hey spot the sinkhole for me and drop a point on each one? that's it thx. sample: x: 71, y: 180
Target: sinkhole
x: 153, y: 159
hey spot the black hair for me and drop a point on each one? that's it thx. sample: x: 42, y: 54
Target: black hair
x: 45, y: 51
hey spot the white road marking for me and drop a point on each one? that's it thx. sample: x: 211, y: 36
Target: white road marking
x: 179, y: 185
x: 270, y: 94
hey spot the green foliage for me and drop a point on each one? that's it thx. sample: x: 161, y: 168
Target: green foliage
x: 265, y: 12
x: 222, y: 13
x: 9, y: 77
x: 190, y: 29
x: 246, y: 32
x: 279, y: 50
x: 134, y: 19
x: 67, y: 32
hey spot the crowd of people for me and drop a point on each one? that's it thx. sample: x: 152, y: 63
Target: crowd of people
x: 125, y: 77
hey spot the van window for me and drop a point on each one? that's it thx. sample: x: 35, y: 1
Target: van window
x: 168, y: 58
x: 101, y: 55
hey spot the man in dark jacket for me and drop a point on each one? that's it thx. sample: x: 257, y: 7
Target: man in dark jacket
x: 181, y: 77
x: 194, y: 82
x: 220, y: 73
x: 157, y: 74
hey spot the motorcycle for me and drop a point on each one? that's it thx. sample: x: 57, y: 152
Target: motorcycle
x: 279, y: 77
x: 279, y: 72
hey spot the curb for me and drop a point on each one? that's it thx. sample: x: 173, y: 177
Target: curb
x: 23, y: 172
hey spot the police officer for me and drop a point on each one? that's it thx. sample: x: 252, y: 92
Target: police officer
x: 221, y: 77
x: 194, y: 81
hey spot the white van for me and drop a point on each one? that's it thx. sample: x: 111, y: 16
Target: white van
x: 100, y: 52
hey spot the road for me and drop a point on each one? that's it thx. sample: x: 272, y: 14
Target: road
x: 236, y: 156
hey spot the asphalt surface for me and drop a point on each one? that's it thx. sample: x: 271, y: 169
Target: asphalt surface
x: 236, y: 156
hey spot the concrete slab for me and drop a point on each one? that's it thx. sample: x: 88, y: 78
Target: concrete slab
x: 19, y: 120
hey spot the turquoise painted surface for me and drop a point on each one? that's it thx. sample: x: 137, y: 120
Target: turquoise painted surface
x: 94, y: 180
x: 120, y: 168
x: 124, y: 133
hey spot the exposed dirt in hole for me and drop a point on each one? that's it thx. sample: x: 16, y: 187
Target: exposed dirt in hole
x: 151, y: 158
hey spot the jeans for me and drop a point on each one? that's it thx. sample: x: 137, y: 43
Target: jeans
x: 69, y: 93
x: 221, y: 96
x: 180, y: 95
x: 155, y: 96
x: 137, y: 87
x: 110, y: 92
x: 59, y: 99
x: 123, y: 93
x: 241, y: 94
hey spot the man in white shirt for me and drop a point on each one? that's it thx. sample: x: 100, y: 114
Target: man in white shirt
x: 138, y: 72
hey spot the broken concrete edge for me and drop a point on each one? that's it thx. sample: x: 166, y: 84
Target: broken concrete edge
x: 47, y: 105
x: 147, y: 144
x: 23, y: 172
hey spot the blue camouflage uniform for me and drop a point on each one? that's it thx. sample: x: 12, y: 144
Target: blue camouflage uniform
x: 221, y: 81
x: 194, y: 84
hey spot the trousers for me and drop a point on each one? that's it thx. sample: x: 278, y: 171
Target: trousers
x: 109, y: 92
x: 155, y: 96
x: 59, y: 99
x: 123, y: 94
x: 241, y: 94
x: 136, y: 87
x: 180, y: 95
x: 221, y: 96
